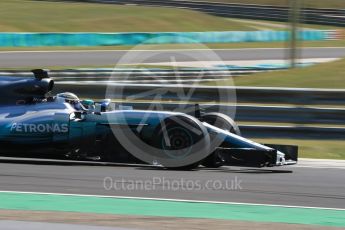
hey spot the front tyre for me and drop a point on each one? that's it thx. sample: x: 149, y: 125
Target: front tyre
x: 222, y: 121
x: 182, y: 142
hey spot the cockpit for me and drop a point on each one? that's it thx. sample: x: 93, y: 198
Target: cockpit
x: 70, y: 98
x: 84, y: 105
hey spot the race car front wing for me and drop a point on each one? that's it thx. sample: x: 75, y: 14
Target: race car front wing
x: 277, y: 155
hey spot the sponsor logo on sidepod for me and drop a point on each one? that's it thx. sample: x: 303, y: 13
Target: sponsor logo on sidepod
x: 39, y: 128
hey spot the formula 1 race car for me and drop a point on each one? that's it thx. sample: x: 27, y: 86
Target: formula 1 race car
x: 33, y: 123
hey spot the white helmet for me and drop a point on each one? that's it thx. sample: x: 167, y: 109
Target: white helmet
x: 67, y: 97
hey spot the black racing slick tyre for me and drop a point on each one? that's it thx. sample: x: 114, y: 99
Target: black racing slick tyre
x: 224, y: 122
x: 181, y: 138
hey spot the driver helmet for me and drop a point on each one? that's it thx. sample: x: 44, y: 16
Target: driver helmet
x: 67, y: 97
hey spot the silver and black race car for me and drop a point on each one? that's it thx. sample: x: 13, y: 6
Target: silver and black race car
x: 32, y: 123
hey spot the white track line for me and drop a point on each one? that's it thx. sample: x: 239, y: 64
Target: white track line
x: 173, y: 200
x: 320, y: 163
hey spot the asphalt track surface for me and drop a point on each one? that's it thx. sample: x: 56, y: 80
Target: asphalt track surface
x: 12, y: 59
x: 291, y: 185
x: 19, y: 225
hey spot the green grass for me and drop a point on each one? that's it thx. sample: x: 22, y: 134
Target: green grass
x: 338, y: 4
x: 38, y: 16
x: 274, y: 25
x: 325, y: 75
x: 45, y: 16
x: 318, y: 149
x: 48, y: 16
